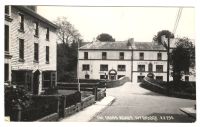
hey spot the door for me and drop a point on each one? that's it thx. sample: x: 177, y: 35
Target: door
x: 36, y: 81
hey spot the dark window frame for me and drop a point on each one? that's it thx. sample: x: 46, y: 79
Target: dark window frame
x: 6, y: 41
x: 121, y: 55
x: 85, y: 67
x: 47, y: 54
x: 21, y: 23
x: 85, y: 55
x: 47, y: 34
x: 87, y: 76
x: 6, y: 72
x: 103, y: 67
x: 104, y: 55
x: 21, y: 50
x: 121, y: 67
x: 36, y: 29
x: 159, y: 56
x: 36, y: 52
x: 159, y: 68
x: 141, y: 56
x: 141, y: 68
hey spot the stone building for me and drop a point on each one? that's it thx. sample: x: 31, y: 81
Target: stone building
x: 30, y: 59
x: 112, y: 60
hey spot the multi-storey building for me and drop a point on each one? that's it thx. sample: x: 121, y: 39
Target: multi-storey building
x: 112, y: 60
x: 32, y: 44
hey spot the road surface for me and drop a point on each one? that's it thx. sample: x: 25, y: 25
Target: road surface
x: 136, y: 104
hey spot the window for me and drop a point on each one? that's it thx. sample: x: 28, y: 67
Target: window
x: 103, y: 67
x: 187, y: 78
x: 47, y: 34
x: 103, y: 76
x: 159, y: 78
x: 121, y: 55
x: 6, y: 72
x: 141, y: 68
x: 7, y: 10
x: 186, y: 71
x: 159, y: 56
x: 140, y: 78
x: 6, y: 38
x: 85, y: 55
x: 104, y: 55
x: 119, y: 76
x: 21, y: 49
x: 48, y: 79
x: 159, y: 68
x: 141, y: 56
x: 86, y: 67
x: 21, y: 26
x: 36, y: 29
x: 121, y: 68
x: 87, y: 76
x: 36, y: 54
x: 47, y: 54
x: 150, y: 67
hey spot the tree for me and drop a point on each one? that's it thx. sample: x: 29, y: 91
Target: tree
x: 159, y: 35
x: 66, y: 32
x: 182, y: 58
x: 105, y: 37
x: 67, y: 50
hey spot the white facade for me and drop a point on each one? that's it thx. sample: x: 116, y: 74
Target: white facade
x: 38, y: 51
x: 94, y: 60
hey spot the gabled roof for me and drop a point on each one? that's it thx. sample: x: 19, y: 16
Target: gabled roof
x: 121, y: 45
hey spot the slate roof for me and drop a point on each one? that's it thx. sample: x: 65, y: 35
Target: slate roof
x: 121, y: 45
x: 35, y: 15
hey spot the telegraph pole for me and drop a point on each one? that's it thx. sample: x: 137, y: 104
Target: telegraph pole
x: 168, y: 52
x: 79, y: 89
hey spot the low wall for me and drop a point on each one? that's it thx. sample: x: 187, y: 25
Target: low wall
x: 118, y: 82
x: 79, y: 106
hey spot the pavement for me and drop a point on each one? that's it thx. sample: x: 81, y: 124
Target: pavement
x: 190, y: 111
x: 88, y: 113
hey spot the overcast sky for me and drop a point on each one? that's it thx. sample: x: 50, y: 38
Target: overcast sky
x: 140, y: 23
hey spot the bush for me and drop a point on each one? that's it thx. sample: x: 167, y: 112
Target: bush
x: 16, y: 96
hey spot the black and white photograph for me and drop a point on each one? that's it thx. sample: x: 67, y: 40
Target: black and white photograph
x: 86, y: 63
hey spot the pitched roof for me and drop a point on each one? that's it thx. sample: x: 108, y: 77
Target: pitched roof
x: 147, y: 46
x: 34, y: 14
x: 122, y: 45
x: 106, y: 45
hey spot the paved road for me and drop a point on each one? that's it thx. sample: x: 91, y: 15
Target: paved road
x: 134, y: 103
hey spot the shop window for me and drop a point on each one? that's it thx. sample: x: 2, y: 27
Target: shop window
x: 140, y: 78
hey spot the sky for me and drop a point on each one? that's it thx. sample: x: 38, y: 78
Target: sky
x: 140, y: 23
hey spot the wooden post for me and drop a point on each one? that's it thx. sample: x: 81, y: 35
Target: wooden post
x: 17, y: 113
